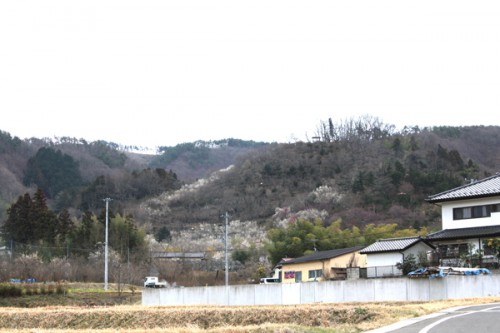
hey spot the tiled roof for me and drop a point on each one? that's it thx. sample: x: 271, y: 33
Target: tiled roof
x: 482, y: 188
x: 179, y: 255
x: 323, y: 255
x: 464, y: 233
x: 392, y: 245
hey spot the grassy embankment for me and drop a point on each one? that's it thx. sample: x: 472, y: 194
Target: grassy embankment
x: 92, y: 310
x: 69, y: 294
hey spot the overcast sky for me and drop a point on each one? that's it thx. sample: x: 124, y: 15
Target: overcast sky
x: 159, y: 73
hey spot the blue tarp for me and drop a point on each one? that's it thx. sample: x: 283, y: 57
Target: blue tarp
x: 477, y: 271
x: 433, y: 272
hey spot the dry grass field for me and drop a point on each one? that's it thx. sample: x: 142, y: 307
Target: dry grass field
x: 313, y: 318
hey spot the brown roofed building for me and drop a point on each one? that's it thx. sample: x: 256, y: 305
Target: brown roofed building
x: 322, y: 265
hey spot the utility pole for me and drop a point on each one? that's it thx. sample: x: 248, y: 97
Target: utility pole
x: 226, y: 260
x: 225, y: 252
x: 107, y: 200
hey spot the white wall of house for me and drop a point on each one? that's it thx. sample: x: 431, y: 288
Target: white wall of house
x: 417, y: 249
x: 383, y: 259
x: 384, y: 264
x: 391, y: 258
x: 447, y: 214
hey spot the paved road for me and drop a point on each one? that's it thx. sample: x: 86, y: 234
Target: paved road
x: 483, y: 318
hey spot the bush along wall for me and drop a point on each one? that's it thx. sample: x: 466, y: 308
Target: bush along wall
x: 17, y: 290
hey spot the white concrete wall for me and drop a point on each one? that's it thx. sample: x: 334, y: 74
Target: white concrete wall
x: 370, y: 290
x: 447, y: 214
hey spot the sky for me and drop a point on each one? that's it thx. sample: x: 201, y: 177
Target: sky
x: 159, y: 73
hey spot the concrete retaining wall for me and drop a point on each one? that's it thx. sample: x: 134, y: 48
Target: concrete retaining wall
x: 393, y: 289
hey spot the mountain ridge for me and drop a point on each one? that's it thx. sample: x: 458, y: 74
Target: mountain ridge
x: 371, y: 175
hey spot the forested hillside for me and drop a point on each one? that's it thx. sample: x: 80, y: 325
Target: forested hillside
x: 76, y: 175
x: 195, y: 160
x: 356, y: 181
x: 362, y: 171
x: 358, y: 172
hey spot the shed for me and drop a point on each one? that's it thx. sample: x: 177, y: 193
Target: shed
x: 383, y: 255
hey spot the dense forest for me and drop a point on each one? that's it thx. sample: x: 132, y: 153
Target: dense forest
x: 353, y: 182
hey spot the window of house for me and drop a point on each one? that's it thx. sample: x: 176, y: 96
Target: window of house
x: 452, y: 251
x: 315, y: 273
x: 475, y: 212
x: 298, y: 276
x: 488, y: 250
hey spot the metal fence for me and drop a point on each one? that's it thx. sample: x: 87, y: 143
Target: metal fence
x: 380, y: 272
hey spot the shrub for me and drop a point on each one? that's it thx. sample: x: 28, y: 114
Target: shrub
x: 51, y: 289
x: 43, y: 289
x: 30, y: 290
x: 10, y: 290
x: 60, y: 289
x: 409, y: 264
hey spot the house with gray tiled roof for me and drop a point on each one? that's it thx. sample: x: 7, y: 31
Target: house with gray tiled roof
x: 470, y: 217
x: 383, y: 255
